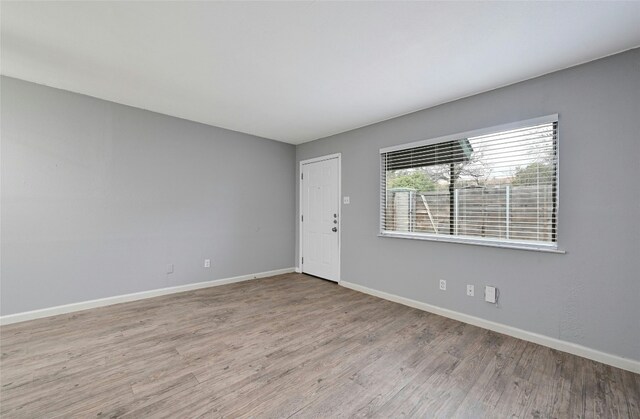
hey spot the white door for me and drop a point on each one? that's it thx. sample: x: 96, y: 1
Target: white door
x: 320, y: 218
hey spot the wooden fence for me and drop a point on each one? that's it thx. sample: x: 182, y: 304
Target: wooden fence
x: 506, y: 212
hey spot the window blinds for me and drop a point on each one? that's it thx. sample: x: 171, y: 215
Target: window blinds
x: 499, y: 185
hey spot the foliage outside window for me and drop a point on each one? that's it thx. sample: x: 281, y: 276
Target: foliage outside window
x: 494, y: 186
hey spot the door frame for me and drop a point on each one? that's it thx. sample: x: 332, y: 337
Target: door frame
x: 300, y: 206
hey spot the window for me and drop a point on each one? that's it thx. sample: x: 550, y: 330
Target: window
x: 494, y: 186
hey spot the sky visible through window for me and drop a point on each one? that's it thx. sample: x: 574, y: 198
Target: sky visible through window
x: 523, y: 155
x: 501, y: 154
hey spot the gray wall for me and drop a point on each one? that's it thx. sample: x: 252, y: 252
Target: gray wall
x: 97, y: 198
x: 591, y: 294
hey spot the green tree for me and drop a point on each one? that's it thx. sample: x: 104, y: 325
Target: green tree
x: 414, y: 180
x: 533, y: 174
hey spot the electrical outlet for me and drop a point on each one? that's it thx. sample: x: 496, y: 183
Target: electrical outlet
x: 490, y: 294
x: 346, y: 200
x: 443, y: 284
x: 470, y: 290
x: 170, y: 268
x: 207, y: 263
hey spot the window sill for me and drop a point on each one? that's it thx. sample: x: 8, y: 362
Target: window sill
x: 478, y: 242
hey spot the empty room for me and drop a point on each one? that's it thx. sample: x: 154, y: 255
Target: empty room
x: 319, y: 209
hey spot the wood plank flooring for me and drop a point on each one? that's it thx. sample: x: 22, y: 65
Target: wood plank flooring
x: 291, y: 346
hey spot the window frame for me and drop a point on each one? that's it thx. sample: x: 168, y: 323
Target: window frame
x: 482, y: 241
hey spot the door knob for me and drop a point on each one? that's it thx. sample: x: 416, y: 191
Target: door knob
x: 334, y: 229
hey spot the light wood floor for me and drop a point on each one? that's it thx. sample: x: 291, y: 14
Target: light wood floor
x: 291, y: 345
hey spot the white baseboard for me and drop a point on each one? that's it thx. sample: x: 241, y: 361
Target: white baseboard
x: 561, y: 345
x: 84, y: 305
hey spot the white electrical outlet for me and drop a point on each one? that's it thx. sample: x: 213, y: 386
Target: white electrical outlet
x: 346, y: 200
x: 207, y: 263
x: 443, y: 284
x: 470, y: 290
x: 490, y: 295
x: 170, y: 268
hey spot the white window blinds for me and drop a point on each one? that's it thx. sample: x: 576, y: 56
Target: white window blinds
x: 495, y: 185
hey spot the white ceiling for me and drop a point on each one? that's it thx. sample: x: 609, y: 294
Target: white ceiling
x: 298, y: 71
